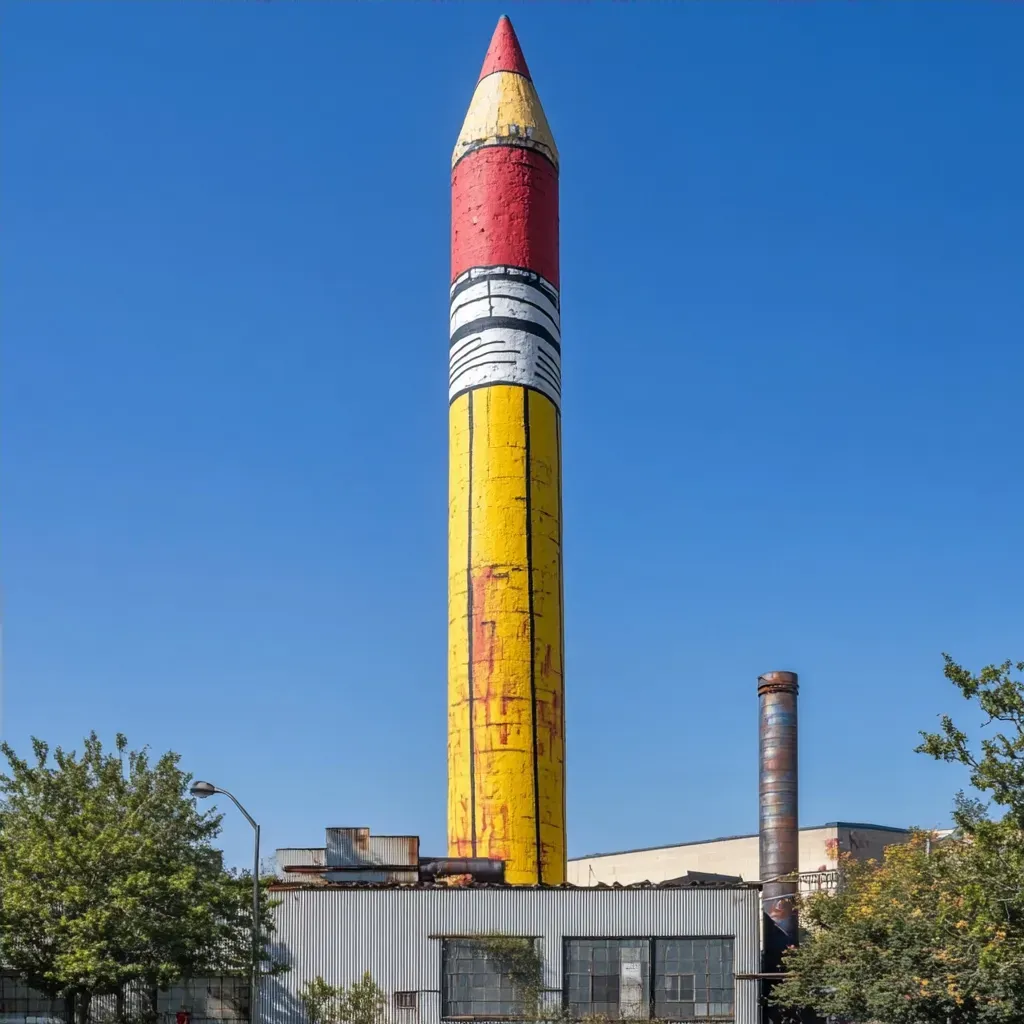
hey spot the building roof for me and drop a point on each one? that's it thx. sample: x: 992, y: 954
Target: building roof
x: 693, y: 882
x: 702, y: 878
x: 748, y: 835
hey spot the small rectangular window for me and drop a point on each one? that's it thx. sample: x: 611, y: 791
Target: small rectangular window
x: 405, y: 1000
x: 679, y: 988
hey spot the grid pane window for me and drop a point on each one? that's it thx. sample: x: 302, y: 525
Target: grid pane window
x: 693, y: 978
x: 23, y: 1003
x: 474, y: 984
x: 608, y: 977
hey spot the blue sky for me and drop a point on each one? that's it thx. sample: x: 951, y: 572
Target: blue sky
x: 793, y: 316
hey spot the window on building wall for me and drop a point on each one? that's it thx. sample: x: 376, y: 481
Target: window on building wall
x: 608, y: 977
x: 20, y: 1002
x: 691, y: 979
x: 475, y: 984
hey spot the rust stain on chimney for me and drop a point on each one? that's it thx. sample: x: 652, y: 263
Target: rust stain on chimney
x: 778, y: 811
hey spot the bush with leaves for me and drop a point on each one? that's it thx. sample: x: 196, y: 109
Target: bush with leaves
x: 320, y: 1001
x: 363, y: 1002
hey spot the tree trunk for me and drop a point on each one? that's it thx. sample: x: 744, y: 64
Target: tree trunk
x: 69, y: 1009
x: 119, y: 1006
x: 84, y: 1003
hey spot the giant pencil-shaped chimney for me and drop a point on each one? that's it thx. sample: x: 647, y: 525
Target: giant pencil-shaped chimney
x: 779, y: 835
x: 506, y: 763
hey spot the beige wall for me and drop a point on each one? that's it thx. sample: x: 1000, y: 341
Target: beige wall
x: 819, y: 849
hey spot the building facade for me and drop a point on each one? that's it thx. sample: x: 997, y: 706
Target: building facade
x: 681, y: 951
x: 675, y: 953
x: 820, y: 848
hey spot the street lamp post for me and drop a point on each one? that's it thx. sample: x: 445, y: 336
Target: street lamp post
x: 203, y: 790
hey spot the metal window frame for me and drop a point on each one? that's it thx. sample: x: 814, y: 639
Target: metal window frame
x: 478, y: 937
x: 693, y: 938
x: 19, y: 999
x: 693, y: 988
x: 566, y: 939
x: 652, y: 941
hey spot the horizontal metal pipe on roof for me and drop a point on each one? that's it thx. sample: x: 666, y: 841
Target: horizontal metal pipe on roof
x: 482, y: 869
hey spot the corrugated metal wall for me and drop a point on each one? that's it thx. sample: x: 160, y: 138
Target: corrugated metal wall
x: 346, y: 847
x: 299, y: 857
x: 339, y: 934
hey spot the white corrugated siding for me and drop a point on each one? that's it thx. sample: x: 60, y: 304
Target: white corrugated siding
x: 339, y: 934
x: 394, y: 850
x: 299, y: 857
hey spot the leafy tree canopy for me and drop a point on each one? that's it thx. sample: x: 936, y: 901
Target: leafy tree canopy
x: 997, y: 765
x: 108, y: 874
x: 935, y: 932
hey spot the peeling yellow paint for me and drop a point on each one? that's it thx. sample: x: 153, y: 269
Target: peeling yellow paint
x: 506, y: 744
x: 459, y: 746
x: 505, y: 111
x: 546, y: 533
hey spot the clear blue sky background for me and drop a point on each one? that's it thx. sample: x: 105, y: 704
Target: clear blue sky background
x: 793, y: 286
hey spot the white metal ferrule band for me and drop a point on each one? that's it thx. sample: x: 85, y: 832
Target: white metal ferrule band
x: 504, y: 330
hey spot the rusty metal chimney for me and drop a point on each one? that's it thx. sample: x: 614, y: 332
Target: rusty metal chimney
x: 779, y: 836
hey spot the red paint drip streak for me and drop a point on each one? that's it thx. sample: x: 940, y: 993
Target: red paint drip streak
x: 505, y: 211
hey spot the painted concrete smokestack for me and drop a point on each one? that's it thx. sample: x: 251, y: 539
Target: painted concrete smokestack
x: 779, y: 836
x: 506, y: 770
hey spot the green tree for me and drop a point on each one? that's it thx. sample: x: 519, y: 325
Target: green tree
x: 997, y: 766
x: 878, y: 949
x: 935, y: 932
x: 108, y: 875
x: 992, y: 894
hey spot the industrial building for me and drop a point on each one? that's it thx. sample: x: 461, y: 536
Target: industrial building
x: 819, y: 846
x: 683, y: 946
x: 684, y: 950
x: 693, y: 932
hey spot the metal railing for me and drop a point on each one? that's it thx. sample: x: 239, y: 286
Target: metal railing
x: 818, y: 881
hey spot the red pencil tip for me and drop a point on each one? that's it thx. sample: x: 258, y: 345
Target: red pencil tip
x: 504, y: 53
